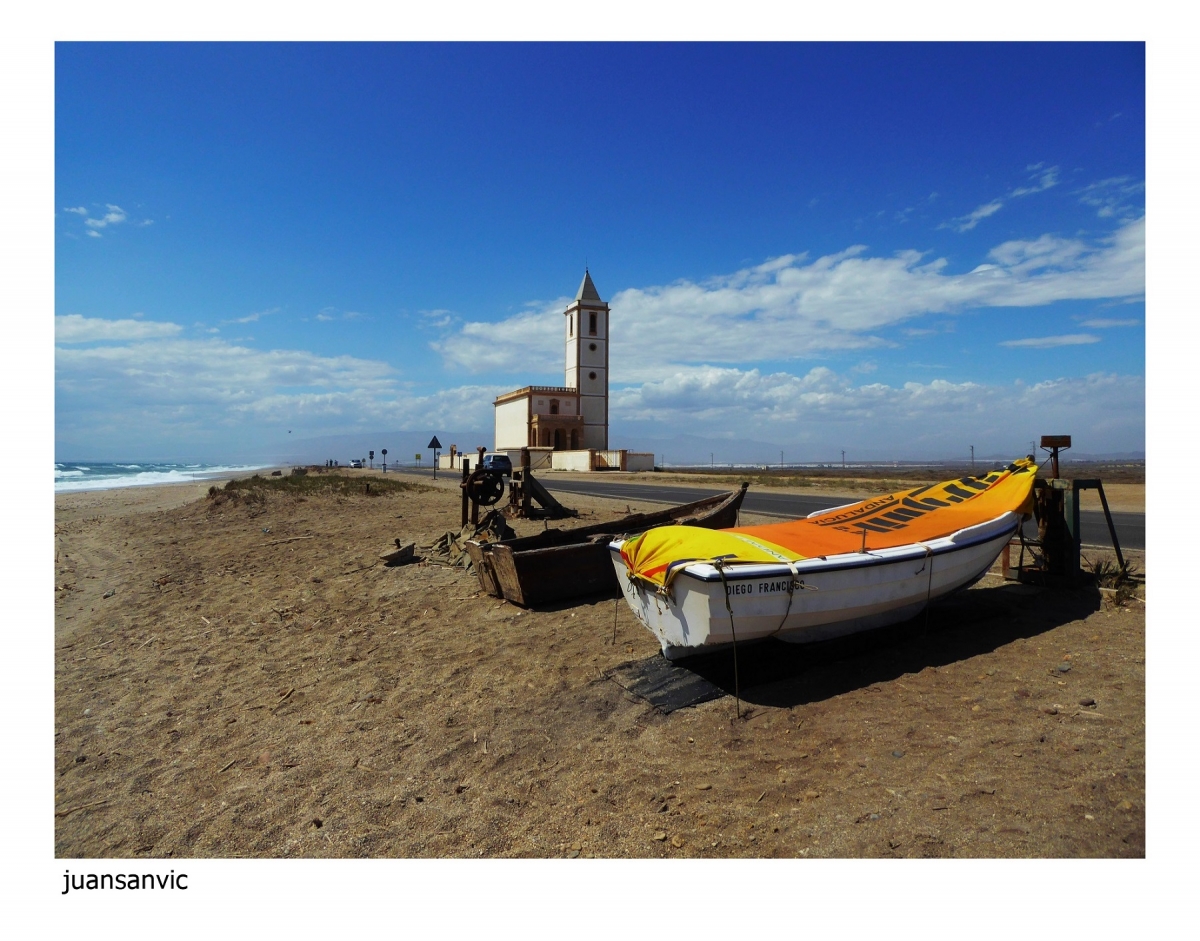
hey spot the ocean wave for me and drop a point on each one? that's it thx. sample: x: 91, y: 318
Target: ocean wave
x: 147, y: 478
x: 67, y: 473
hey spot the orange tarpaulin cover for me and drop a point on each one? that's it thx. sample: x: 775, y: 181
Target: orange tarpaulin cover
x: 896, y: 519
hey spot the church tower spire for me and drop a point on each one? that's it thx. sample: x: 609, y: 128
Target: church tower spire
x: 587, y: 360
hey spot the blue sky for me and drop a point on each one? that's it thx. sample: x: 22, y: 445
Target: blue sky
x: 896, y: 249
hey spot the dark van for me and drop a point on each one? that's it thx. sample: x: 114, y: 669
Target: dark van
x: 498, y: 463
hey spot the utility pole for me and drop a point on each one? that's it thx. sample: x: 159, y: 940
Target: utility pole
x: 711, y: 460
x: 843, y: 459
x: 972, y: 457
x: 781, y: 459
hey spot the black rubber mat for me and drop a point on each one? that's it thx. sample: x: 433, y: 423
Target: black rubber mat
x: 664, y: 685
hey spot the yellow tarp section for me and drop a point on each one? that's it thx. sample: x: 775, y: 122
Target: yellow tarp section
x: 896, y: 519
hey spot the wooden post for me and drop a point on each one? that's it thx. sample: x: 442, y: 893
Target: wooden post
x: 466, y: 470
x: 525, y: 498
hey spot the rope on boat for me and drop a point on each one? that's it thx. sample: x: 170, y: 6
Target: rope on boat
x: 719, y: 565
x: 929, y: 587
x: 796, y: 582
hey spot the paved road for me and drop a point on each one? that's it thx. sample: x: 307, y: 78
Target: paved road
x: 1131, y: 527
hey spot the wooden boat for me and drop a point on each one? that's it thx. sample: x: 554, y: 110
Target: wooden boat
x: 560, y: 564
x: 698, y: 592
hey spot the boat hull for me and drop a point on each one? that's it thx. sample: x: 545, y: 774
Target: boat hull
x: 559, y: 565
x: 830, y: 597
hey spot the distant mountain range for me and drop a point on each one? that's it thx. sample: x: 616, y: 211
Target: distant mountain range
x: 402, y: 446
x: 681, y: 449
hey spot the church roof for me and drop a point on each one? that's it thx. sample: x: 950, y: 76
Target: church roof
x: 587, y: 291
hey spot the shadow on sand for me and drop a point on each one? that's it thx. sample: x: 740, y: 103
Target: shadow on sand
x: 772, y: 673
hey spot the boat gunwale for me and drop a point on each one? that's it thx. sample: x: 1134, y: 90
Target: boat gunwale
x: 856, y: 560
x: 641, y: 522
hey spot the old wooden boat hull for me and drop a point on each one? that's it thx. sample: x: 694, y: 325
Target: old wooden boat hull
x: 562, y: 564
x: 828, y: 597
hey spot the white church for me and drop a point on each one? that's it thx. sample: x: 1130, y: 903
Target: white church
x: 566, y: 427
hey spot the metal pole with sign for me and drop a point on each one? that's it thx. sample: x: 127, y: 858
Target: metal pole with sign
x: 384, y: 453
x: 435, y: 445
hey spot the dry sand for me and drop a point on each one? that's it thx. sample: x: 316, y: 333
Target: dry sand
x: 248, y: 680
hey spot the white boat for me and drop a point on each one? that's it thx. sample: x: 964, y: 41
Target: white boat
x: 696, y: 604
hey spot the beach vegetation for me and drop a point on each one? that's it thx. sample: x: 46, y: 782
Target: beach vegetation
x: 253, y: 489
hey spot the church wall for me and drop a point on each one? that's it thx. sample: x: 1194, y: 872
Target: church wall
x: 590, y: 386
x: 593, y: 437
x: 588, y: 356
x: 512, y: 424
x: 592, y: 408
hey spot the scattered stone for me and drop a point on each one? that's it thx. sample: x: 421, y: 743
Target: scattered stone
x: 1049, y: 710
x: 577, y: 847
x: 1088, y: 817
x: 1087, y: 702
x: 897, y: 753
x: 1063, y: 667
x: 401, y: 555
x: 110, y: 593
x: 1124, y: 805
x: 574, y: 854
x: 703, y: 787
x: 811, y: 795
x: 874, y: 816
x: 660, y: 836
x: 676, y: 842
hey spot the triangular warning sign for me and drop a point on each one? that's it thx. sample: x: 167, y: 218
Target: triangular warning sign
x: 434, y: 443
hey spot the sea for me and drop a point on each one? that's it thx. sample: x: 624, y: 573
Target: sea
x: 94, y: 475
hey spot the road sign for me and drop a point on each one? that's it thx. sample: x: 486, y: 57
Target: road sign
x: 434, y: 443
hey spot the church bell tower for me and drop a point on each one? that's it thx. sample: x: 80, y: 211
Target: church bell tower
x: 587, y: 361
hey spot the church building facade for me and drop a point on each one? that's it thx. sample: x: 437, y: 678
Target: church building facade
x: 573, y: 416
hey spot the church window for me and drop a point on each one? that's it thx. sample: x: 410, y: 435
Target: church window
x: 571, y: 326
x: 554, y: 406
x: 592, y: 324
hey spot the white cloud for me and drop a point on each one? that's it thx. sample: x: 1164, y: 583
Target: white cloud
x: 821, y: 410
x: 327, y: 314
x: 114, y: 215
x: 972, y: 219
x: 1103, y: 323
x: 1112, y: 197
x: 158, y: 390
x: 793, y: 306
x: 75, y: 328
x: 254, y: 317
x: 1045, y: 343
x: 1042, y: 178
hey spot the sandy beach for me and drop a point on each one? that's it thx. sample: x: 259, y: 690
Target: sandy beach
x: 245, y: 678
